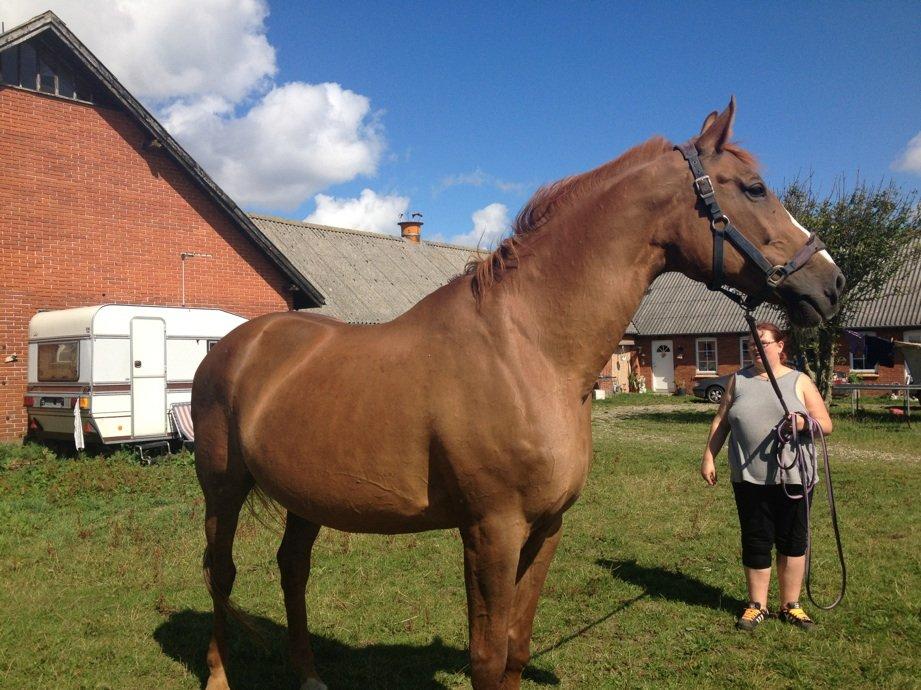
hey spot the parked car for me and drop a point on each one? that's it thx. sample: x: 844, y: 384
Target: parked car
x: 712, y: 389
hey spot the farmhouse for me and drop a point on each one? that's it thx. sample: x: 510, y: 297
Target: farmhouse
x: 100, y: 205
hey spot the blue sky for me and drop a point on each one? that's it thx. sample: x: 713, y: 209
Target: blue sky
x: 529, y: 92
x: 349, y: 112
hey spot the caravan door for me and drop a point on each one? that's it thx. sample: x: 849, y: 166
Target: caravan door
x: 148, y: 377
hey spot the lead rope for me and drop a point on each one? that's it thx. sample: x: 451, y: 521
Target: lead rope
x: 787, y: 434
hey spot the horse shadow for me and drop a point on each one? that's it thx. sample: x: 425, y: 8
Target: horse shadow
x: 661, y: 583
x: 263, y: 663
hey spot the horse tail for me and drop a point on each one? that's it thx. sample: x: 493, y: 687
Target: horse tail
x: 264, y: 510
x: 246, y: 620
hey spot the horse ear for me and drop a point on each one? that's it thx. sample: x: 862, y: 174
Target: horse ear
x: 718, y: 131
x: 708, y: 121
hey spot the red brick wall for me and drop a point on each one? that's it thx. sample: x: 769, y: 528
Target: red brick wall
x: 87, y: 216
x: 728, y: 358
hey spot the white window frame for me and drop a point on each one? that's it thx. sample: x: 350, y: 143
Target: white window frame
x: 743, y: 341
x: 850, y: 356
x: 716, y: 364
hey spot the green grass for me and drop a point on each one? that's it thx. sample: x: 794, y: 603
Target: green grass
x: 100, y: 583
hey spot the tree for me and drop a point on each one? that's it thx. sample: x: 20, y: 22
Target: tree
x: 872, y: 233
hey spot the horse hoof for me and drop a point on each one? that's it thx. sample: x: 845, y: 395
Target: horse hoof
x: 313, y: 684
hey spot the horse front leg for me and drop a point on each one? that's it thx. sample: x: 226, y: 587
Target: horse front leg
x: 536, y: 557
x: 491, y: 551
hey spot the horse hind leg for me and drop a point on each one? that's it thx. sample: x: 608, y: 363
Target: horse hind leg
x: 225, y: 492
x: 294, y: 564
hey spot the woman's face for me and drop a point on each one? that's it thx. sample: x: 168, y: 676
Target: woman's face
x: 772, y: 350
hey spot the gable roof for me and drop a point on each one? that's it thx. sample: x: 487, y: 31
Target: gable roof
x: 366, y: 277
x: 50, y: 26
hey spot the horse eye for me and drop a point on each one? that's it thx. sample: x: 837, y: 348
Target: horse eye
x: 756, y: 189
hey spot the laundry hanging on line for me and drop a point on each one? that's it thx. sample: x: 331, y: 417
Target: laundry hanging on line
x: 878, y: 351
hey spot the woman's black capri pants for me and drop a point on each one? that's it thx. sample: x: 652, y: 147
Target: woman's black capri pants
x: 768, y: 517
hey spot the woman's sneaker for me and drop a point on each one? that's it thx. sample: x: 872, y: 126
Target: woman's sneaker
x: 752, y: 616
x: 793, y: 613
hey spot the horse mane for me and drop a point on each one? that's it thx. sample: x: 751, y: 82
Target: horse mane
x: 488, y: 270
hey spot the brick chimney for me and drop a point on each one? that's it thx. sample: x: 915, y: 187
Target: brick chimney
x: 411, y: 228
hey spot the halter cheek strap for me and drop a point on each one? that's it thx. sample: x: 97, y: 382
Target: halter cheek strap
x: 723, y: 229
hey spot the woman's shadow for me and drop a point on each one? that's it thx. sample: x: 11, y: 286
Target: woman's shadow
x: 264, y: 663
x: 659, y: 582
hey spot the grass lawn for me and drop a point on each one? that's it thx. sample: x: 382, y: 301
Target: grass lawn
x: 100, y: 582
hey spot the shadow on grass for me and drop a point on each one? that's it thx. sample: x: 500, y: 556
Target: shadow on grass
x: 665, y: 584
x: 585, y: 628
x: 254, y: 664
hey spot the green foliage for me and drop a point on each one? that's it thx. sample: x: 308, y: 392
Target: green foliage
x: 100, y: 576
x: 872, y: 233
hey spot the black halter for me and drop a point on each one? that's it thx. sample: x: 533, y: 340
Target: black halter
x: 723, y: 228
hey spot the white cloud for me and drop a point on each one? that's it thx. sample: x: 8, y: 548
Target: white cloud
x: 478, y: 178
x: 489, y: 224
x: 165, y: 49
x: 206, y: 69
x: 299, y: 139
x: 910, y: 158
x: 368, y: 212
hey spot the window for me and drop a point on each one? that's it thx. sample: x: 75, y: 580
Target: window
x: 706, y: 355
x: 745, y: 357
x: 59, y: 361
x: 33, y: 66
x: 858, y: 362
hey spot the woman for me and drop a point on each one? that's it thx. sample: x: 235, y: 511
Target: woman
x: 768, y: 515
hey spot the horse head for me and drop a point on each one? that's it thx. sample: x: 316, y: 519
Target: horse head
x: 754, y: 245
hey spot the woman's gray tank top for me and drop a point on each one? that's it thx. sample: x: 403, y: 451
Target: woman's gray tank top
x: 752, y: 416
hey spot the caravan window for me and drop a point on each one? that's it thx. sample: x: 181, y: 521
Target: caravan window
x: 59, y: 361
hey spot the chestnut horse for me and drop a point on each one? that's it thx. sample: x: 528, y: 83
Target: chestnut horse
x: 471, y: 411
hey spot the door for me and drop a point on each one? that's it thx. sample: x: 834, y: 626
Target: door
x: 148, y: 377
x: 663, y: 366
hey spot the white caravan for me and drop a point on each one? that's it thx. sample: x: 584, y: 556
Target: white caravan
x: 123, y: 367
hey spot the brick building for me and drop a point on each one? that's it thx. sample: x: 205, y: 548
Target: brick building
x: 687, y: 333
x: 98, y: 204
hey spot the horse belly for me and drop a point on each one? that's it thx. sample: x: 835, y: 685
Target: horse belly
x: 353, y: 486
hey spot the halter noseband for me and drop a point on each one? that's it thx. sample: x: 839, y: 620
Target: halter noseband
x: 774, y: 275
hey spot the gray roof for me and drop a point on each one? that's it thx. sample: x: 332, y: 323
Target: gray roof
x: 676, y: 305
x: 365, y: 277
x: 49, y: 25
x: 900, y: 305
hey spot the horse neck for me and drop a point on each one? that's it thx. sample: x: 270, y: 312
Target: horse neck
x: 581, y: 280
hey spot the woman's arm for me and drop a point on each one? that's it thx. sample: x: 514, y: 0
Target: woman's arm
x: 719, y: 430
x: 811, y: 398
